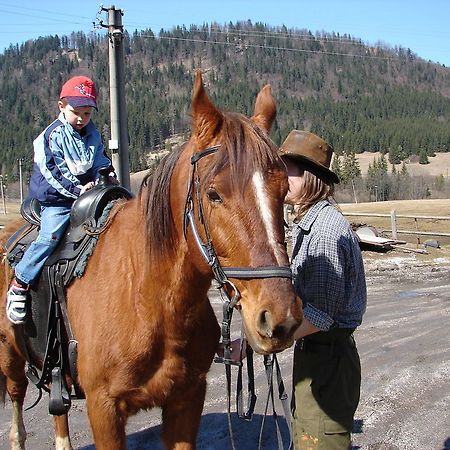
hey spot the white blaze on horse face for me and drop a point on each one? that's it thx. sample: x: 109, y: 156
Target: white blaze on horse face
x: 266, y: 214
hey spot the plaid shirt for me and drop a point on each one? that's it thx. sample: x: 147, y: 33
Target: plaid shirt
x: 328, y: 269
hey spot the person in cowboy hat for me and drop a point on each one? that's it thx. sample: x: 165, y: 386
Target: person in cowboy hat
x: 328, y: 275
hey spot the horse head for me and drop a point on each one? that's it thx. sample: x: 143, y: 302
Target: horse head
x: 237, y: 188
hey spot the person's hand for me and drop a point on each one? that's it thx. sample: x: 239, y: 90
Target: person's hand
x: 86, y: 187
x: 113, y: 180
x: 236, y: 353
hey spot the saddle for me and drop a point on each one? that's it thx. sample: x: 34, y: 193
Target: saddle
x: 52, y: 355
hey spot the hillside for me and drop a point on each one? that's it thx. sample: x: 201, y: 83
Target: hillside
x: 359, y: 98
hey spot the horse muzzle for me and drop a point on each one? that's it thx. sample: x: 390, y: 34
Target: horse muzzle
x: 267, y: 332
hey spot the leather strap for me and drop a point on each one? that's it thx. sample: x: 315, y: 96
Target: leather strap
x: 249, y: 273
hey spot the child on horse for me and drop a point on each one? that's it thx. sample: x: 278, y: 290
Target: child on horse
x: 67, y: 157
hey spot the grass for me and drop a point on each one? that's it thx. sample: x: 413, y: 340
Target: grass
x: 12, y: 212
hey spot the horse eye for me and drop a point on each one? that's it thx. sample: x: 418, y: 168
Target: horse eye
x: 213, y: 196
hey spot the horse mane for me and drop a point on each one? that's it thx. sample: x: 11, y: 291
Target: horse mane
x: 155, y: 192
x: 244, y: 149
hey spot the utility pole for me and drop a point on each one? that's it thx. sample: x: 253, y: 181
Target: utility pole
x: 20, y: 160
x: 2, y: 191
x: 118, y: 143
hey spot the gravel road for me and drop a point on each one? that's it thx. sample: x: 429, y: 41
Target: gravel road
x: 404, y: 344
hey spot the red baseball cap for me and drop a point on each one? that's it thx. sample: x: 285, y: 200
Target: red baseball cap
x: 79, y: 91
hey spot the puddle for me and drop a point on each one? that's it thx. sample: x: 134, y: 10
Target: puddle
x: 408, y: 294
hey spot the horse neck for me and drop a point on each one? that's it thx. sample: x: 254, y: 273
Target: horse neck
x: 191, y: 281
x: 175, y: 271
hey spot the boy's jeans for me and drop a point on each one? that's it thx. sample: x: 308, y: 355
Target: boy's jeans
x: 54, y: 220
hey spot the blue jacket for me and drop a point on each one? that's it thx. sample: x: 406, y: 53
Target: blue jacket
x: 64, y: 161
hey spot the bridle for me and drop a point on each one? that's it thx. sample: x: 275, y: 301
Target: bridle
x: 222, y: 275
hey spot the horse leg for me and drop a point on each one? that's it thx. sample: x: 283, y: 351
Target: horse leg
x: 62, y: 438
x: 13, y: 368
x: 181, y: 418
x: 182, y: 411
x: 17, y: 434
x: 107, y: 422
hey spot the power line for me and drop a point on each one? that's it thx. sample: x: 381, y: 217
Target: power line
x: 294, y: 30
x: 292, y: 34
x: 53, y: 13
x: 270, y: 47
x: 34, y: 16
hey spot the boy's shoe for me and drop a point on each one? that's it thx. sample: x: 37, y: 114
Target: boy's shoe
x: 16, y: 304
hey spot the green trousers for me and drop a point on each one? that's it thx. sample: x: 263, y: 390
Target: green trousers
x: 326, y: 389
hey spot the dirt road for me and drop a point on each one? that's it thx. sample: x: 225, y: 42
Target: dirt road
x: 404, y: 345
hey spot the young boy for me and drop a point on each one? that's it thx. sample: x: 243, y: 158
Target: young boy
x: 67, y: 156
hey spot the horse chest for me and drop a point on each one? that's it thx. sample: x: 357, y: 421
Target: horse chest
x: 153, y: 387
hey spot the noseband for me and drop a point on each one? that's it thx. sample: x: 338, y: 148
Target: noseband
x: 221, y: 274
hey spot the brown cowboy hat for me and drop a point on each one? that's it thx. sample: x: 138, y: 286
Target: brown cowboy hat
x: 310, y: 149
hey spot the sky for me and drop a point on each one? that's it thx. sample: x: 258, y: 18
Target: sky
x: 420, y: 25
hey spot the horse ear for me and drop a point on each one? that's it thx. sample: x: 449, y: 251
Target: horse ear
x: 265, y: 109
x: 206, y: 118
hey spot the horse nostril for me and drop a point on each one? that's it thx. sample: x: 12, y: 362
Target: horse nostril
x: 264, y: 324
x: 285, y: 329
x: 290, y: 326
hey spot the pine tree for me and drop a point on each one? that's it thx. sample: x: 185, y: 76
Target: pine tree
x: 423, y: 157
x: 336, y: 166
x: 350, y: 167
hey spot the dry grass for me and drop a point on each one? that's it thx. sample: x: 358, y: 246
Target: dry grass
x: 439, y: 165
x: 12, y: 213
x: 435, y: 207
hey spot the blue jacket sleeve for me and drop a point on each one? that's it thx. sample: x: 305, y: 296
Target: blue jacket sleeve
x: 100, y: 158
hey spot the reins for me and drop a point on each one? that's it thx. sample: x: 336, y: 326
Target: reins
x: 231, y: 295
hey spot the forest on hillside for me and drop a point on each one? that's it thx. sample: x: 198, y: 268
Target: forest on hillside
x: 357, y: 97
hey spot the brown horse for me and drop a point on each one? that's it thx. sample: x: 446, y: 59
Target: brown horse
x: 146, y: 331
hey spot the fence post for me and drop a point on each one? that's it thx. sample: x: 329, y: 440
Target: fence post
x: 394, y: 224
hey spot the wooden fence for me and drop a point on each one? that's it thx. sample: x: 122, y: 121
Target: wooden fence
x: 394, y: 227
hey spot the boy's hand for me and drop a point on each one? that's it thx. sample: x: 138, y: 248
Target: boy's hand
x: 113, y: 180
x: 86, y: 187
